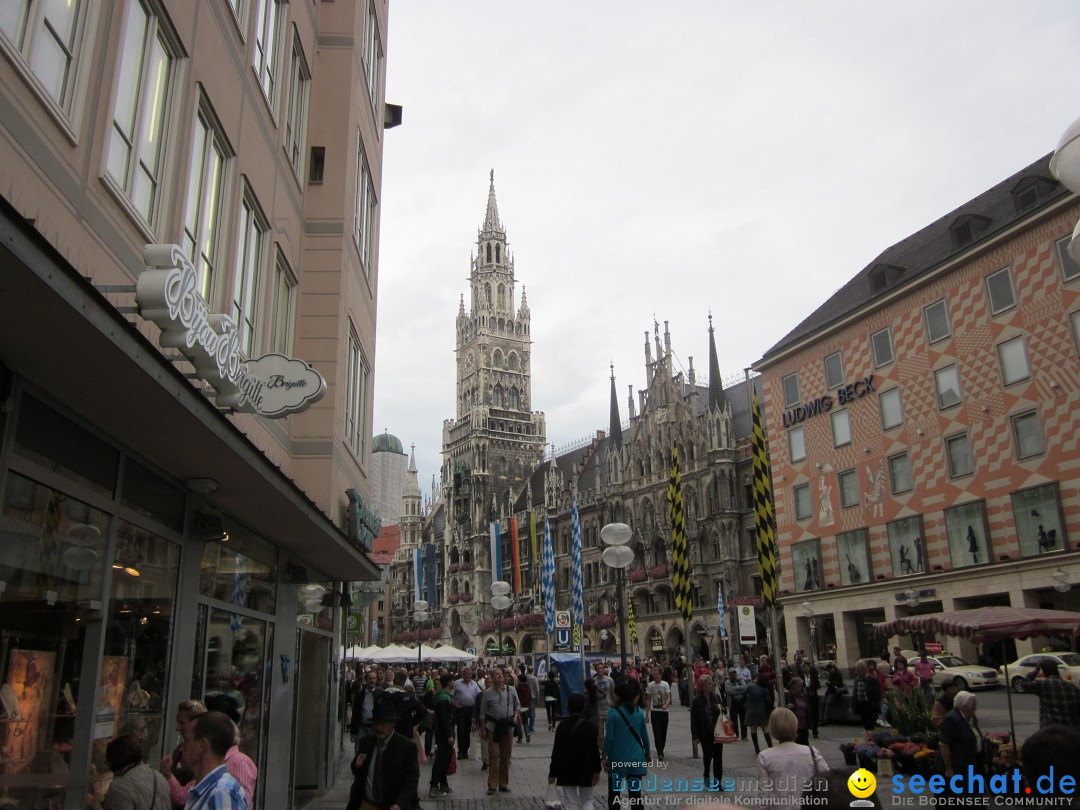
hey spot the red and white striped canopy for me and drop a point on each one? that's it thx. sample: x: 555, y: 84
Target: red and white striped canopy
x: 986, y: 624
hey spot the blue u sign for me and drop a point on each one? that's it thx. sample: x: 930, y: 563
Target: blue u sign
x: 562, y: 636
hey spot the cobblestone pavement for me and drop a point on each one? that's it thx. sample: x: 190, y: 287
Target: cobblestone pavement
x: 529, y: 768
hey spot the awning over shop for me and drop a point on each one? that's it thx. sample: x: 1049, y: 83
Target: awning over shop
x: 57, y: 330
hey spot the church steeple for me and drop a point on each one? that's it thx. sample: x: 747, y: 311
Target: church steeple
x: 615, y: 426
x: 492, y: 225
x: 716, y: 385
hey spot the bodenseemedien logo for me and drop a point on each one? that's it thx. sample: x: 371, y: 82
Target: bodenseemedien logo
x: 862, y: 783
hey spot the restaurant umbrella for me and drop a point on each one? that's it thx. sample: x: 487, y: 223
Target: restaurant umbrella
x: 988, y: 624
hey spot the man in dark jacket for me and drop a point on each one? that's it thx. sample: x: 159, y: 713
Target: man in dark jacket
x: 364, y: 701
x: 386, y: 770
x: 866, y: 696
x: 443, y: 708
x: 575, y: 757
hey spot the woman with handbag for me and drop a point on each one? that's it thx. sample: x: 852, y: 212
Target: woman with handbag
x: 787, y: 767
x: 575, y: 759
x: 705, y: 711
x: 626, y: 745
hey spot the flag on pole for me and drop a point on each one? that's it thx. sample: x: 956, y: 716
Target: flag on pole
x: 631, y: 621
x: 680, y: 559
x: 720, y: 610
x: 547, y: 580
x: 763, y: 506
x: 429, y: 576
x: 418, y: 579
x: 496, y: 552
x: 577, y: 583
x: 532, y: 539
x: 515, y: 555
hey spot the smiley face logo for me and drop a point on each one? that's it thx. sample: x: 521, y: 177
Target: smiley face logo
x: 862, y: 783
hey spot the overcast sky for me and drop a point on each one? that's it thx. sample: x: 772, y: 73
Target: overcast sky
x: 671, y: 159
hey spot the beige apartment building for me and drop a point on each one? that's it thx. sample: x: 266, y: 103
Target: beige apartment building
x: 188, y: 276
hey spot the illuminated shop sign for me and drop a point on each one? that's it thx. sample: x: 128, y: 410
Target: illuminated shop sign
x: 272, y: 385
x: 849, y: 393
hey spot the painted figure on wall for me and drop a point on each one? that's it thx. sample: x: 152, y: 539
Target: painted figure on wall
x: 875, y: 494
x: 825, y: 511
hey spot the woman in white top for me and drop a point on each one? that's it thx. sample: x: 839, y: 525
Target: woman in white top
x: 787, y: 767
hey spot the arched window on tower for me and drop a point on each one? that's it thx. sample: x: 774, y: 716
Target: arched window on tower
x: 512, y: 361
x: 498, y: 254
x: 497, y: 397
x: 502, y: 297
x: 489, y: 251
x: 513, y: 399
x: 497, y: 359
x: 487, y: 293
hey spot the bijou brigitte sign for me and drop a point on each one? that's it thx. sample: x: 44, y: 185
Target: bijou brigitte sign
x: 272, y: 385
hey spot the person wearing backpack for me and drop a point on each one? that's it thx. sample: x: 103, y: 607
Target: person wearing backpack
x: 575, y: 759
x: 626, y: 745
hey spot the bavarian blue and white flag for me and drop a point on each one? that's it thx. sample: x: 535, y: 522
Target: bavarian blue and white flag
x: 720, y: 610
x: 577, y: 581
x: 547, y: 580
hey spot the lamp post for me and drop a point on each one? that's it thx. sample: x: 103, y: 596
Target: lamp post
x: 618, y: 555
x: 808, y: 612
x: 420, y: 615
x: 500, y: 601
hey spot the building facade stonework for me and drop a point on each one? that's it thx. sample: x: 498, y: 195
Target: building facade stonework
x: 923, y: 428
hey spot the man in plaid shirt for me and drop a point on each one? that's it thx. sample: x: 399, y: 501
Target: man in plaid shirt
x: 1059, y: 700
x: 207, y: 739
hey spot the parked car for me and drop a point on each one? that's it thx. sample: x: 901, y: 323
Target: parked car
x: 968, y: 676
x: 1068, y: 667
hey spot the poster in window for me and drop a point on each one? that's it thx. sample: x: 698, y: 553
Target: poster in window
x: 29, y: 684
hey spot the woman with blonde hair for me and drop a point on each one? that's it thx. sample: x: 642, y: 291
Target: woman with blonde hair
x: 788, y: 767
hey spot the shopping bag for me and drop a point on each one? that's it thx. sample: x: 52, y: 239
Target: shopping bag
x: 724, y: 731
x: 553, y: 798
x: 452, y: 769
x: 421, y: 754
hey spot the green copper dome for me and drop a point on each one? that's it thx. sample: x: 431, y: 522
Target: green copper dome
x: 387, y: 443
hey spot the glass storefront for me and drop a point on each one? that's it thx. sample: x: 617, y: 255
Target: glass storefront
x: 965, y: 526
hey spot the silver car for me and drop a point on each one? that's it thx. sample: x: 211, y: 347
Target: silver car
x: 967, y: 676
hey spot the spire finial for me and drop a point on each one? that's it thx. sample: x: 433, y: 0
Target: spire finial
x: 614, y: 423
x: 716, y: 385
x: 491, y: 218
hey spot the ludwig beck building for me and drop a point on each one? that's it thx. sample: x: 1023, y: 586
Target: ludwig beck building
x: 923, y: 429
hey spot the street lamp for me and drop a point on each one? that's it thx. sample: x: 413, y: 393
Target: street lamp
x: 1061, y: 581
x: 500, y: 601
x: 618, y: 556
x: 808, y: 612
x: 1065, y: 166
x: 911, y: 597
x: 420, y: 615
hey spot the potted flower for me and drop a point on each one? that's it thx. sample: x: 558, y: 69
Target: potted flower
x: 452, y: 599
x: 638, y: 575
x: 453, y: 567
x: 658, y: 572
x: 466, y: 597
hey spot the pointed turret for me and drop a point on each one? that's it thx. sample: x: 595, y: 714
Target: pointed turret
x: 412, y: 486
x: 491, y: 218
x: 717, y: 401
x: 615, y: 428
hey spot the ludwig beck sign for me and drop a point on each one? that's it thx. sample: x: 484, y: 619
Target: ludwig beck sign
x: 273, y: 385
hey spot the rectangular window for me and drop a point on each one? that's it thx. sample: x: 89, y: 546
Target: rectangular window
x: 889, y: 402
x: 136, y: 139
x: 296, y: 119
x: 854, y: 554
x: 364, y: 209
x: 1028, y: 435
x: 791, y: 390
x: 906, y: 546
x: 797, y: 443
x: 966, y: 529
x: 205, y: 193
x: 882, y: 344
x: 958, y: 451
x: 282, y: 307
x: 841, y: 427
x: 1070, y: 268
x: 251, y: 245
x: 849, y: 488
x: 356, y: 397
x: 46, y: 37
x: 238, y: 8
x: 1014, y: 363
x: 834, y: 370
x: 947, y: 383
x: 803, y: 510
x: 900, y: 473
x: 1075, y: 319
x: 373, y: 59
x: 999, y: 290
x: 937, y: 321
x: 265, y: 57
x: 806, y: 565
x: 1037, y: 514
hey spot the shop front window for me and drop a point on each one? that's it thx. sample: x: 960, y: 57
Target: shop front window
x: 1038, y: 520
x: 241, y: 570
x: 310, y: 610
x: 131, y: 695
x: 854, y: 557
x: 806, y: 565
x: 237, y: 664
x: 966, y: 527
x: 51, y: 565
x: 906, y: 546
